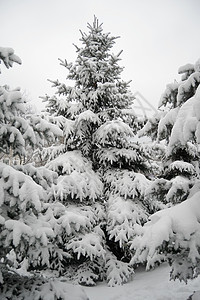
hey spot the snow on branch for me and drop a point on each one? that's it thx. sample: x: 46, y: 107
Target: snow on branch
x: 40, y: 175
x: 77, y: 179
x: 8, y: 57
x: 68, y: 162
x: 186, y: 68
x: 25, y: 191
x: 118, y: 272
x: 75, y: 219
x: 182, y: 166
x: 179, y: 227
x: 169, y: 94
x: 114, y: 155
x: 122, y: 216
x: 166, y: 123
x: 88, y: 116
x: 89, y: 245
x: 127, y: 184
x: 188, y: 88
x: 116, y: 131
x: 187, y: 124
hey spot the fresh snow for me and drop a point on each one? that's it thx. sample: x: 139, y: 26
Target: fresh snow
x: 186, y: 68
x: 187, y: 122
x: 182, y: 166
x: 88, y: 244
x: 41, y: 224
x: 168, y: 120
x: 77, y: 177
x: 113, y: 129
x: 169, y: 93
x: 187, y: 86
x: 88, y: 115
x: 151, y: 285
x: 8, y: 57
x: 179, y: 226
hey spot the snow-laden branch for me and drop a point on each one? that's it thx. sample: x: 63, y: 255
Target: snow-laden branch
x: 8, y: 57
x: 176, y: 229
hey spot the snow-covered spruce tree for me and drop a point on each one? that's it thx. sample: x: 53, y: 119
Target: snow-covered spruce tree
x: 181, y: 162
x: 101, y: 169
x: 27, y: 240
x: 175, y: 232
x: 20, y: 196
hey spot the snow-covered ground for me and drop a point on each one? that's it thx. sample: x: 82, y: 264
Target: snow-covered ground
x: 152, y: 285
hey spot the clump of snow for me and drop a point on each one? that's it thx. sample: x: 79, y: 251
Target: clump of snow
x: 8, y: 57
x: 118, y: 272
x: 166, y: 123
x: 169, y: 95
x: 76, y: 177
x: 186, y: 87
x: 43, y: 128
x: 186, y: 126
x: 128, y: 184
x: 40, y: 175
x: 86, y: 274
x: 20, y: 186
x: 186, y: 68
x: 197, y: 66
x: 89, y: 245
x: 88, y: 115
x: 151, y: 125
x: 182, y: 166
x: 112, y: 131
x: 75, y: 219
x: 18, y: 229
x: 50, y: 153
x: 179, y: 226
x: 178, y: 187
x: 122, y: 216
x: 68, y: 162
x: 114, y: 155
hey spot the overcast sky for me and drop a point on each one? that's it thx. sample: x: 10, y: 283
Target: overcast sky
x: 156, y: 36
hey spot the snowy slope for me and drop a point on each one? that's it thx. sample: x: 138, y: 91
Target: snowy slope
x: 152, y: 285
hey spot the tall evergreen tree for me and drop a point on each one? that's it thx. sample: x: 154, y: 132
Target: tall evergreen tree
x: 101, y: 169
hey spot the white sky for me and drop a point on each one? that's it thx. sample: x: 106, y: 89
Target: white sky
x: 157, y: 37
